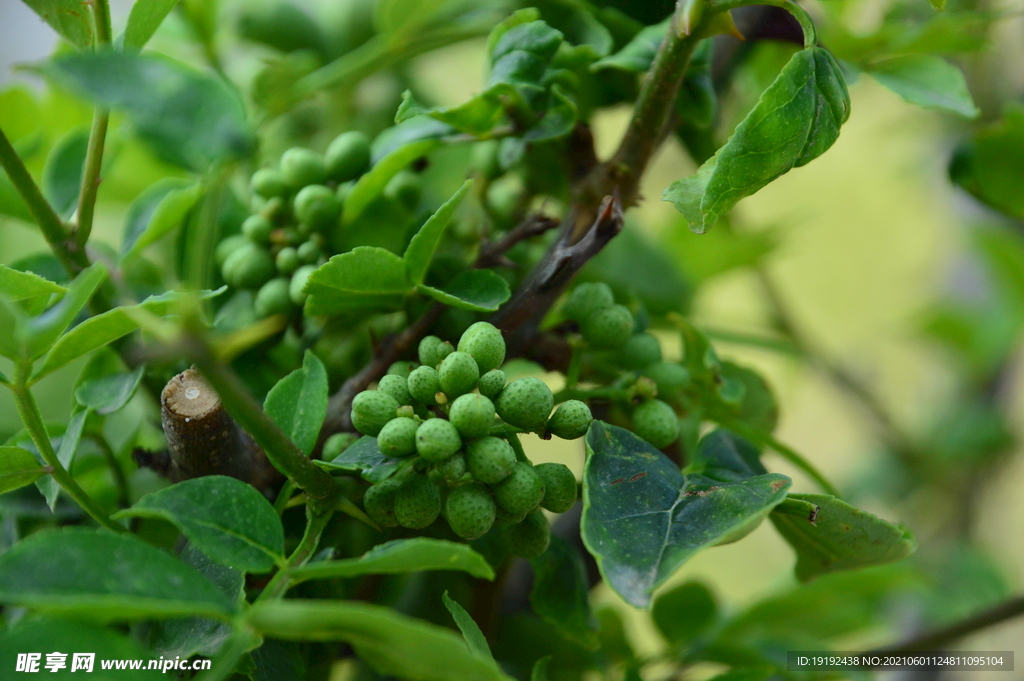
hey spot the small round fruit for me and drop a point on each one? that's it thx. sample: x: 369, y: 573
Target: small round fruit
x: 424, y: 384
x: 437, y: 439
x: 397, y: 387
x: 640, y: 350
x: 317, y: 207
x: 470, y: 510
x: 587, y: 298
x: 571, y: 420
x: 458, y: 374
x: 503, y: 518
x: 257, y: 229
x: 298, y: 284
x: 338, y: 443
x: 401, y: 368
x: 656, y: 422
x: 226, y: 247
x: 308, y: 252
x: 397, y: 438
x: 525, y: 403
x: 608, y: 328
x: 371, y: 411
x: 671, y: 379
x: 432, y: 350
x: 490, y: 459
x: 379, y: 502
x: 559, y: 486
x: 520, y: 492
x: 417, y: 502
x: 484, y: 343
x: 405, y: 188
x: 268, y: 183
x: 492, y: 383
x: 485, y: 159
x: 301, y: 167
x: 530, y: 538
x: 249, y: 266
x: 347, y: 156
x: 453, y: 468
x: 287, y: 260
x: 472, y: 415
x: 273, y: 298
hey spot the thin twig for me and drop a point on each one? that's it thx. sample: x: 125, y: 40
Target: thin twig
x: 492, y: 253
x: 937, y: 639
x: 97, y: 140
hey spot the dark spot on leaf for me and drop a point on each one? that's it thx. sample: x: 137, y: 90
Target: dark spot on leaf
x: 699, y: 492
x: 616, y: 482
x: 778, y: 484
x: 637, y: 476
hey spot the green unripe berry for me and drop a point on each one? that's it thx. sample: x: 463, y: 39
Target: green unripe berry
x: 503, y: 518
x: 671, y: 379
x: 379, y: 502
x: 226, y: 247
x: 298, y: 284
x: 404, y: 188
x: 472, y: 415
x: 559, y: 486
x: 249, y: 266
x: 641, y: 350
x: 301, y: 167
x: 273, y: 298
x: 257, y: 229
x: 336, y: 444
x: 267, y: 183
x: 317, y: 207
x: 458, y: 374
x: 587, y: 298
x: 521, y: 491
x: 485, y: 159
x: 437, y: 439
x: 308, y: 252
x: 371, y: 411
x: 432, y: 350
x: 505, y: 197
x: 656, y: 422
x: 608, y: 328
x: 490, y: 459
x: 417, y: 502
x: 571, y: 420
x: 424, y: 384
x: 525, y: 403
x: 470, y: 510
x: 397, y: 438
x: 287, y: 260
x: 347, y: 156
x: 397, y: 387
x: 484, y: 343
x: 453, y: 468
x: 530, y: 538
x: 492, y: 383
x: 401, y: 368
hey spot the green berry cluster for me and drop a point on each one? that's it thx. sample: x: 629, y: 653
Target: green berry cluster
x: 454, y: 418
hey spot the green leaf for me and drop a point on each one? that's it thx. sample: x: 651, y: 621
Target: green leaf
x: 475, y: 639
x: 107, y: 394
x: 795, y: 120
x: 928, y: 81
x: 189, y: 118
x: 372, y: 183
x: 992, y: 167
x: 829, y: 535
x: 522, y: 53
x: 225, y: 518
x: 11, y: 320
x: 68, y: 17
x: 389, y: 642
x: 48, y: 634
x: 400, y: 556
x: 520, y: 16
x: 62, y: 175
x: 18, y: 468
x: 366, y: 279
x: 421, y: 248
x: 558, y: 119
x: 298, y: 403
x: 40, y: 333
x: 642, y: 518
x: 65, y: 454
x: 684, y: 613
x: 363, y: 456
x: 477, y: 290
x: 156, y: 212
x: 145, y: 17
x: 724, y: 455
x: 757, y: 407
x: 17, y: 285
x: 560, y: 593
x: 540, y: 669
x: 638, y: 54
x: 477, y: 116
x: 106, y: 576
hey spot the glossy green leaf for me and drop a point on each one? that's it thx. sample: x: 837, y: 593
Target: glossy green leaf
x: 830, y: 535
x: 475, y: 639
x: 156, y: 212
x: 363, y: 456
x: 68, y: 17
x: 928, y: 81
x: 638, y: 54
x: 16, y: 285
x: 145, y: 17
x: 477, y: 290
x: 522, y: 53
x: 399, y: 556
x: 372, y: 183
x: 366, y: 279
x: 560, y: 593
x: 225, y: 518
x: 795, y: 120
x: 724, y: 455
x: 642, y: 518
x: 106, y: 576
x: 18, y: 468
x: 520, y: 16
x: 39, y: 334
x: 477, y: 116
x: 11, y: 319
x: 107, y: 394
x: 557, y: 120
x: 50, y: 634
x: 757, y: 406
x: 389, y: 642
x: 66, y: 451
x: 992, y: 166
x: 62, y: 176
x: 298, y: 403
x: 421, y: 248
x: 684, y: 613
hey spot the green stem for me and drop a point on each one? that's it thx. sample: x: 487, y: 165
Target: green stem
x: 284, y: 496
x: 572, y: 374
x: 29, y: 412
x: 517, y: 447
x: 281, y: 582
x: 91, y: 176
x: 123, y: 495
x: 798, y: 12
x: 101, y: 12
x: 226, y: 660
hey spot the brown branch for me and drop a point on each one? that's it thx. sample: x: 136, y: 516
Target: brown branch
x: 492, y: 254
x: 938, y: 639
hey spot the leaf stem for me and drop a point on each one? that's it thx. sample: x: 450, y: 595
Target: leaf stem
x: 315, y: 524
x: 91, y: 176
x: 937, y: 639
x: 284, y: 496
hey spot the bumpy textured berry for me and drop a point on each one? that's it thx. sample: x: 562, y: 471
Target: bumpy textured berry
x: 417, y: 502
x: 571, y: 420
x: 492, y: 383
x: 397, y: 387
x: 249, y: 266
x: 301, y: 167
x: 587, y: 298
x: 655, y: 422
x: 437, y: 439
x: 640, y: 350
x: 405, y: 188
x: 458, y: 374
x: 398, y: 437
x: 371, y: 410
x: 520, y: 492
x: 608, y: 328
x: 424, y: 384
x: 299, y: 279
x: 503, y: 518
x: 347, y: 156
x: 559, y: 486
x: 452, y: 468
x: 287, y: 260
x: 484, y: 343
x: 472, y: 415
x: 470, y: 510
x: 401, y: 368
x: 338, y: 443
x: 317, y: 207
x: 530, y: 538
x: 671, y: 379
x: 379, y: 502
x: 432, y: 350
x: 257, y: 229
x: 268, y: 183
x: 308, y: 252
x: 226, y: 247
x: 273, y: 298
x: 525, y: 403
x: 490, y: 459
